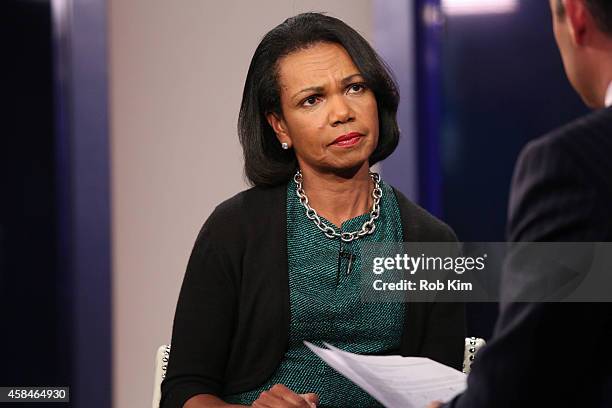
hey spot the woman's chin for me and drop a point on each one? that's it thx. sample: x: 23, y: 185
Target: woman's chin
x: 349, y: 169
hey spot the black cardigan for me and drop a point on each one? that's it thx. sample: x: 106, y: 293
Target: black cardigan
x: 231, y: 327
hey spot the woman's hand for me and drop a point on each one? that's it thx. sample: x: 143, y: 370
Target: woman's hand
x: 280, y: 396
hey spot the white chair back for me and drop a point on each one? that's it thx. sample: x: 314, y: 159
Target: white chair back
x: 472, y: 345
x: 161, y: 365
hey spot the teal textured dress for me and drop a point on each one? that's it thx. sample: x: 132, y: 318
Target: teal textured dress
x: 326, y: 306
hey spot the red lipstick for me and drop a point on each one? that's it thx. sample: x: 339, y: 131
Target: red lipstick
x: 348, y: 139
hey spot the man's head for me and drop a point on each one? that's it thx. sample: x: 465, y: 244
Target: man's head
x: 583, y: 30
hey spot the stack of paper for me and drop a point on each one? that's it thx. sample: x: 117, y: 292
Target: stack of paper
x: 395, y: 381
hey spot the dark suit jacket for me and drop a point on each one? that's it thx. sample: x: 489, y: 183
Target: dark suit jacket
x: 554, y: 354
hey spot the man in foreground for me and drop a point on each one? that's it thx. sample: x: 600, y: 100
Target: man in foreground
x: 547, y: 354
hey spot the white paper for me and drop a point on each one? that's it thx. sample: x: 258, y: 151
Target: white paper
x: 395, y: 381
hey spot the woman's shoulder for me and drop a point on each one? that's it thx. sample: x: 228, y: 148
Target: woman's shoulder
x: 247, y: 209
x: 250, y: 200
x: 420, y: 225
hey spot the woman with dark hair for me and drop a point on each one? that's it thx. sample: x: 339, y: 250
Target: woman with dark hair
x: 279, y: 263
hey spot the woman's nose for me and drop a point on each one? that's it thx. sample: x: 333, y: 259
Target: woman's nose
x: 340, y: 111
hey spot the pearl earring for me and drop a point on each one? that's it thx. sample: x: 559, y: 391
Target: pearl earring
x: 285, y: 145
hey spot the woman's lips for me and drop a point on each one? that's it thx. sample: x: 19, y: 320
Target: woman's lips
x: 349, y: 139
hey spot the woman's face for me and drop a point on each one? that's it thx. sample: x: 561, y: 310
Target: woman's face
x: 329, y: 116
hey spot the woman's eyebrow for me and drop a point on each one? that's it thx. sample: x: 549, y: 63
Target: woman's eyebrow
x: 349, y: 79
x: 319, y: 89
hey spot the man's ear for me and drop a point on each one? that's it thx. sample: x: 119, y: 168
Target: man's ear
x: 278, y: 125
x: 578, y: 19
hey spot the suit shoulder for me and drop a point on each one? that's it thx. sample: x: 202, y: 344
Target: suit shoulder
x: 419, y: 224
x: 561, y: 180
x: 595, y: 127
x: 580, y: 146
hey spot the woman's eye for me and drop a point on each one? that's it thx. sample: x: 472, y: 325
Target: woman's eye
x: 356, y: 88
x: 310, y: 101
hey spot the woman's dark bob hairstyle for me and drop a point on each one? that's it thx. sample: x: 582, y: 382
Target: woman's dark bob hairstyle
x: 265, y: 162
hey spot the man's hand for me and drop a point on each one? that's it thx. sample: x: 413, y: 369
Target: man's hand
x: 435, y: 404
x: 280, y: 396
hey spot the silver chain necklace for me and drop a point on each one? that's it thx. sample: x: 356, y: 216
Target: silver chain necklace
x: 367, y: 228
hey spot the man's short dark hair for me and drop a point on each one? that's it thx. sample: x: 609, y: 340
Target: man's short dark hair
x: 601, y: 10
x: 265, y: 162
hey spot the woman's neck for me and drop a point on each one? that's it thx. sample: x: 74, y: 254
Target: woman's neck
x: 336, y: 197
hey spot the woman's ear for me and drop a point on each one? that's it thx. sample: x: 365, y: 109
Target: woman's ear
x: 278, y: 125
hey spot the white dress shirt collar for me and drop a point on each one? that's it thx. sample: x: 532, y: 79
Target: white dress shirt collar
x: 608, y: 101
